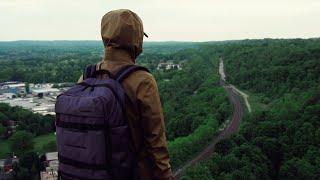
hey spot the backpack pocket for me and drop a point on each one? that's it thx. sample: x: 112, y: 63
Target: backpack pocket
x: 76, y: 138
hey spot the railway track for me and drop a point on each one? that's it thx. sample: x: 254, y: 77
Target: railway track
x: 232, y: 128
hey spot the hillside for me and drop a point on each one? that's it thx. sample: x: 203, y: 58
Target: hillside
x: 280, y: 138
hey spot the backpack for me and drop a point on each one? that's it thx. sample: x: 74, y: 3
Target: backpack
x: 93, y: 136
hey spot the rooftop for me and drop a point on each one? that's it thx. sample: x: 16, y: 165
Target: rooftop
x: 52, y: 156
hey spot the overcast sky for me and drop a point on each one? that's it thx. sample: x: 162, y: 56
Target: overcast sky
x: 178, y: 20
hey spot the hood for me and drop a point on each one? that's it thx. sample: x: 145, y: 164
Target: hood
x: 122, y: 29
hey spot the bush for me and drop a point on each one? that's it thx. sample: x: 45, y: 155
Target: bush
x: 21, y: 142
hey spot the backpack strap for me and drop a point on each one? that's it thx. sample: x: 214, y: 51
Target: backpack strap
x: 89, y: 71
x: 125, y: 72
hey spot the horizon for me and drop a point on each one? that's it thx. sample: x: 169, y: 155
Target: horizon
x: 159, y: 41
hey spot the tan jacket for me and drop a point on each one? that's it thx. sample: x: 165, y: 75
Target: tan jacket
x: 146, y: 121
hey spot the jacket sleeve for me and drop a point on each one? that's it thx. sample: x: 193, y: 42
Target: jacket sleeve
x: 153, y: 127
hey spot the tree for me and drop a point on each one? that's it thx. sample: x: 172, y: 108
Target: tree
x: 2, y: 130
x: 297, y: 169
x: 31, y: 162
x: 3, y: 117
x: 224, y: 146
x: 197, y: 172
x: 21, y: 142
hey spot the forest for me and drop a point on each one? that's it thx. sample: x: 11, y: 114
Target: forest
x: 280, y: 139
x: 52, y: 61
x: 193, y: 111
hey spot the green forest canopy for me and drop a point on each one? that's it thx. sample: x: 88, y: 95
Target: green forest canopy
x: 279, y: 141
x: 193, y: 111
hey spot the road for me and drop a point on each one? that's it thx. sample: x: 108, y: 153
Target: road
x: 231, y: 128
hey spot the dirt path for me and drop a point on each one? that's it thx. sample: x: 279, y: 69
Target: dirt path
x: 223, y: 78
x: 231, y: 128
x: 244, y: 95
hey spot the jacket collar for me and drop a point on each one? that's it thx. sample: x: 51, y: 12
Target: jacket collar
x: 117, y: 57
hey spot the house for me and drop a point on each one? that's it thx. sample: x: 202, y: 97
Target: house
x: 168, y: 66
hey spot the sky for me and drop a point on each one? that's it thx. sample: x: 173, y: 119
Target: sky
x: 164, y: 20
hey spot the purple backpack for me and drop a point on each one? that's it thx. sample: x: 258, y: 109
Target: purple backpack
x: 93, y: 136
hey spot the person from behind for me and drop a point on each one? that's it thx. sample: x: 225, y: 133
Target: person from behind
x: 122, y: 34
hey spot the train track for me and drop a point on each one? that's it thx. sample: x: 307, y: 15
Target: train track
x: 231, y: 129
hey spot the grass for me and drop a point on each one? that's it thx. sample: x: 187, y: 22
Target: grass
x: 4, y: 148
x: 39, y: 141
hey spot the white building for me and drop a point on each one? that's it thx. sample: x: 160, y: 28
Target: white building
x: 168, y: 66
x: 42, y: 106
x: 44, y: 91
x: 44, y: 109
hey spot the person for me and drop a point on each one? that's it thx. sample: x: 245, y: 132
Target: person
x: 122, y: 34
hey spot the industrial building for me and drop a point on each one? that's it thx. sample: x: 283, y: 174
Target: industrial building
x: 13, y: 87
x: 41, y: 97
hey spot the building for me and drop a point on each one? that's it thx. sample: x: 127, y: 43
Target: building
x: 41, y: 100
x: 44, y: 109
x: 43, y: 106
x: 48, y: 175
x: 18, y: 88
x: 52, y: 164
x: 168, y: 66
x: 26, y: 103
x: 40, y: 92
x: 14, y: 87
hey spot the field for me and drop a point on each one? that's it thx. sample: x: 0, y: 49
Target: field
x: 41, y: 140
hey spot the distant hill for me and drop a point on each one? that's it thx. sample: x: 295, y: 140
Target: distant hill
x: 149, y: 47
x: 63, y: 61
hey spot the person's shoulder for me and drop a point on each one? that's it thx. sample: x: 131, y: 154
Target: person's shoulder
x: 141, y: 74
x: 141, y: 77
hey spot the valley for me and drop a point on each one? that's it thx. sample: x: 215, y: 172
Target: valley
x: 252, y: 115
